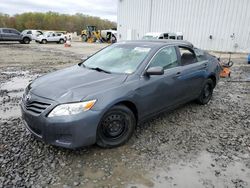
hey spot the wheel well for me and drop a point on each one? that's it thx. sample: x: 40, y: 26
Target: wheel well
x: 212, y: 77
x: 26, y: 38
x: 131, y: 106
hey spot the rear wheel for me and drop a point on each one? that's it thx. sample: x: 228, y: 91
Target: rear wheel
x: 116, y: 127
x: 206, y: 93
x: 61, y: 41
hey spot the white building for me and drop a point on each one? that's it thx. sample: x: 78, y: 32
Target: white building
x: 219, y: 25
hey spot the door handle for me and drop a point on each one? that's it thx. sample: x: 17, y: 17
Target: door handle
x: 177, y: 74
x: 204, y: 66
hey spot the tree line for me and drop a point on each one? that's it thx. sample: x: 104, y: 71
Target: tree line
x: 53, y: 21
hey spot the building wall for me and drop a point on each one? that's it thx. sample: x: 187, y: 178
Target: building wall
x: 228, y: 21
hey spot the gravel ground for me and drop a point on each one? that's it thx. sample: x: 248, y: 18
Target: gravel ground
x: 193, y: 146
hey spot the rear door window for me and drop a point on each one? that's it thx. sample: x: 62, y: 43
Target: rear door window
x: 187, y: 56
x: 200, y: 54
x: 6, y: 31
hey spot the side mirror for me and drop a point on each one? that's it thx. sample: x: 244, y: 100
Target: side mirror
x: 155, y: 71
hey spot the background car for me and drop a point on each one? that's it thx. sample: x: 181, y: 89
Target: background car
x: 32, y: 33
x: 162, y: 35
x: 102, y: 99
x: 10, y: 34
x: 51, y: 37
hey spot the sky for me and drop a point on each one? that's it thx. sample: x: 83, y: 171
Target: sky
x: 106, y: 9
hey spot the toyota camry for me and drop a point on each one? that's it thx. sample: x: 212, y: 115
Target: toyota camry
x: 102, y: 99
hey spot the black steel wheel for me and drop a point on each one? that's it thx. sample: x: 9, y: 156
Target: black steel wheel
x: 116, y: 127
x: 207, y: 92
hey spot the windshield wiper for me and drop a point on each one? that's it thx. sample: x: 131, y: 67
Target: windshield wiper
x: 100, y: 70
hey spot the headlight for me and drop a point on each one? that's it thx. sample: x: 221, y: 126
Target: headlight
x: 71, y: 108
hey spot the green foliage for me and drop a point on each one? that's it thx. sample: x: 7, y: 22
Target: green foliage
x: 53, y: 21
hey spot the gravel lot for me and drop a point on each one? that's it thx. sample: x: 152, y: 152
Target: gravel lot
x: 193, y: 146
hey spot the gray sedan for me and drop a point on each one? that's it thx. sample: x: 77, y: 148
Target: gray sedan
x: 102, y: 99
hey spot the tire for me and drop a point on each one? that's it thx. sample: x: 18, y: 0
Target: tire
x: 116, y: 127
x: 44, y: 41
x: 113, y: 39
x: 61, y: 41
x: 84, y: 38
x: 94, y: 39
x: 26, y: 40
x: 206, y: 93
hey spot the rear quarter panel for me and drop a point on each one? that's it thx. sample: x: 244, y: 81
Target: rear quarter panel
x: 213, y: 67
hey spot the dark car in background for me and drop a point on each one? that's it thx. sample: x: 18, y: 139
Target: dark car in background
x: 9, y: 34
x: 102, y: 99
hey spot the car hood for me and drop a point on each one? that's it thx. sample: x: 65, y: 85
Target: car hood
x: 74, y: 84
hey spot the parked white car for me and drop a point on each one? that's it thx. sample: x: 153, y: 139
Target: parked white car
x: 162, y: 35
x: 33, y: 34
x: 51, y: 37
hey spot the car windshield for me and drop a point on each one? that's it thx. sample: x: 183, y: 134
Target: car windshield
x: 24, y: 31
x: 118, y: 58
x: 148, y: 37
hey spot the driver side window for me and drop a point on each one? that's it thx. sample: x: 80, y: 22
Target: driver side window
x: 166, y: 58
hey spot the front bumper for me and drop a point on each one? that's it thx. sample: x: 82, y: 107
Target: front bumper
x: 38, y: 40
x: 66, y: 131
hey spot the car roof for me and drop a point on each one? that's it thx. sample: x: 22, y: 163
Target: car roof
x: 155, y: 34
x: 160, y: 42
x: 8, y: 28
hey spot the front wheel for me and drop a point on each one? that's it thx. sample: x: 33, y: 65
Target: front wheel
x: 26, y: 40
x: 116, y: 127
x: 206, y: 93
x: 44, y: 41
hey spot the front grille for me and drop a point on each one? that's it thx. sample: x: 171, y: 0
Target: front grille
x: 35, y: 106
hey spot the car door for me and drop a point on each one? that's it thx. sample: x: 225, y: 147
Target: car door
x: 158, y: 92
x: 7, y: 35
x: 50, y: 37
x: 193, y: 72
x: 54, y: 38
x: 16, y: 35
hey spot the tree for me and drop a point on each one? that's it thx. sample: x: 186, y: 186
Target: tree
x: 53, y: 21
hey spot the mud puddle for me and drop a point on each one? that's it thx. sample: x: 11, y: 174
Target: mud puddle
x: 205, y: 172
x: 11, y: 93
